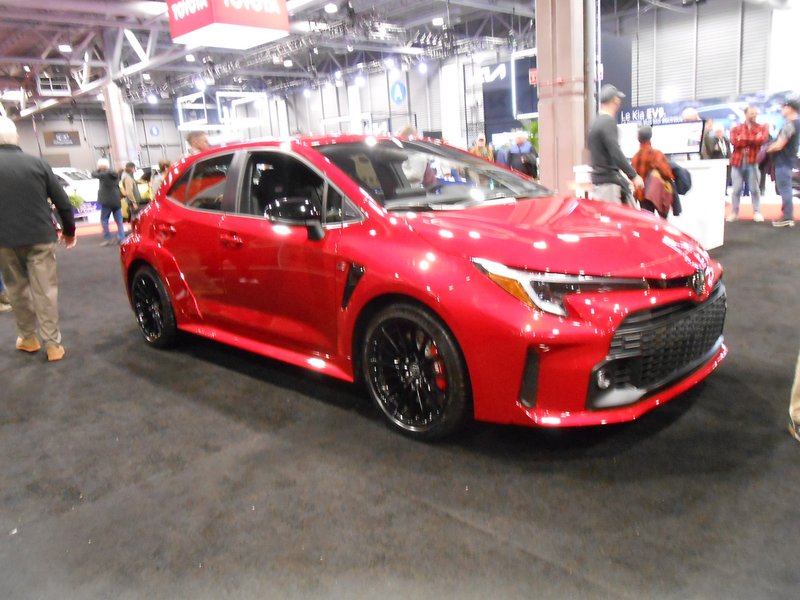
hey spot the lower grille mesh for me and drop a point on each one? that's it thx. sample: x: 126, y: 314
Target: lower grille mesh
x: 650, y: 346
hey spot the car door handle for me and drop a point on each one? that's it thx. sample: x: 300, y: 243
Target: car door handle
x: 166, y: 230
x: 231, y: 240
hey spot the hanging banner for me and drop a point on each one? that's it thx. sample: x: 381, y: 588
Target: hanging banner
x: 235, y: 24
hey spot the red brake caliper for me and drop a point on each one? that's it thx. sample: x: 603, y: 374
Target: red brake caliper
x: 432, y: 352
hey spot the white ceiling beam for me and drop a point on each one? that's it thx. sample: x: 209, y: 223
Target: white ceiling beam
x: 36, y: 61
x: 21, y: 16
x: 135, y: 44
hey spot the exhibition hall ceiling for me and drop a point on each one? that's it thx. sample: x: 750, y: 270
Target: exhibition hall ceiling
x: 57, y: 51
x: 52, y: 47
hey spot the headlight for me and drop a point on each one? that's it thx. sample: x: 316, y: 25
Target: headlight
x: 546, y: 291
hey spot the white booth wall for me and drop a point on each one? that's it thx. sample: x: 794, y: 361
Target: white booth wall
x: 163, y: 142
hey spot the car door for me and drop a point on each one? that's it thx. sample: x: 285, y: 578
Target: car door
x: 187, y: 227
x: 280, y: 282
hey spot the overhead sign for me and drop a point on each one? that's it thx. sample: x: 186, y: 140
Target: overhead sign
x: 236, y: 24
x: 61, y: 138
x: 398, y: 92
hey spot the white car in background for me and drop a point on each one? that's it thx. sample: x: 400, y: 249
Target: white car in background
x: 81, y: 183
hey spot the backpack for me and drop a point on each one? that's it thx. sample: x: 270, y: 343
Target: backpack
x: 683, y: 179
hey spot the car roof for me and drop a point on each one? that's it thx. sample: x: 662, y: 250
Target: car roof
x: 307, y: 141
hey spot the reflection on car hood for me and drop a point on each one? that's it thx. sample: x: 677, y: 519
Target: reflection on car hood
x: 564, y: 235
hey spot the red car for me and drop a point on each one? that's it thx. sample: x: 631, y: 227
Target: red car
x: 453, y: 288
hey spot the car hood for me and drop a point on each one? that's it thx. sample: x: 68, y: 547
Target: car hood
x: 564, y: 235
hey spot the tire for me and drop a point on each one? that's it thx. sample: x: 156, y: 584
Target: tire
x: 414, y: 371
x: 153, y: 309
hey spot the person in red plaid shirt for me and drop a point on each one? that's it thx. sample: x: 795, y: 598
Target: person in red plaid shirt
x: 747, y: 139
x: 644, y: 161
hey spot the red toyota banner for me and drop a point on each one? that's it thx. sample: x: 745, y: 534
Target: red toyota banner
x: 237, y: 24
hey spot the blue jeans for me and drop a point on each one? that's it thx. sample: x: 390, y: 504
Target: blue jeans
x: 106, y: 212
x: 738, y: 175
x: 783, y: 180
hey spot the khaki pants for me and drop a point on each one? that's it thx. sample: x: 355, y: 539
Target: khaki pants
x: 31, y: 276
x: 794, y: 402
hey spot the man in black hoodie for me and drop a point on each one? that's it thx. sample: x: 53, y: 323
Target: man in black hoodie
x: 109, y: 199
x: 28, y: 242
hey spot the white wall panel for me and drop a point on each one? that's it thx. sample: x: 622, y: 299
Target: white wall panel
x: 718, y: 48
x: 756, y: 25
x: 675, y: 55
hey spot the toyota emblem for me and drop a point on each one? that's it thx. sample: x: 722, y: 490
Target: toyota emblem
x: 698, y: 282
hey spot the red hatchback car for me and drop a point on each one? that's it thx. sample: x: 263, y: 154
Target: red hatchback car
x: 453, y: 288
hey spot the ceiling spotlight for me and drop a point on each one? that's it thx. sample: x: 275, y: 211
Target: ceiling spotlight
x: 437, y: 21
x: 349, y: 47
x: 200, y: 84
x: 338, y: 74
x: 189, y: 58
x: 315, y: 50
x: 288, y: 63
x: 152, y: 98
x: 276, y: 60
x: 101, y: 97
x: 306, y: 93
x: 64, y: 48
x: 339, y: 83
x: 146, y: 76
x: 422, y: 68
x: 26, y: 68
x: 331, y: 8
x: 389, y: 62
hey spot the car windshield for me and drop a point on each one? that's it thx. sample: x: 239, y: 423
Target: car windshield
x: 409, y: 175
x: 77, y: 175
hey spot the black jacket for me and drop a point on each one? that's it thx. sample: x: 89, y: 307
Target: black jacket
x: 108, y: 194
x: 26, y: 182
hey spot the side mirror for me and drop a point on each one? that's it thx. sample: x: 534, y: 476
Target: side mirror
x: 297, y: 211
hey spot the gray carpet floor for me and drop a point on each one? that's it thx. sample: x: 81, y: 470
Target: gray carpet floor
x: 207, y: 472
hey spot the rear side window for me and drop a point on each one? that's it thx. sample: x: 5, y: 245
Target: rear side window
x: 178, y: 190
x: 203, y: 187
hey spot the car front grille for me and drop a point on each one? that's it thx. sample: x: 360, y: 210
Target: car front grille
x: 652, y: 348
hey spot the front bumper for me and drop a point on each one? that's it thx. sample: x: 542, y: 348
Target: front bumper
x: 654, y: 355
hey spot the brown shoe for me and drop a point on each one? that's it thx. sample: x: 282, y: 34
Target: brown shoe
x: 28, y: 344
x: 55, y: 353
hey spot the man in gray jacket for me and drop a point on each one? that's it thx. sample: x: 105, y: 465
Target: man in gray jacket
x: 607, y: 157
x: 28, y: 242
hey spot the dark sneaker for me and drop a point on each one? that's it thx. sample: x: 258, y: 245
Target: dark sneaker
x: 783, y: 223
x: 794, y: 430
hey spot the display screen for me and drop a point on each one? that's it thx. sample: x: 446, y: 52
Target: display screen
x: 672, y: 138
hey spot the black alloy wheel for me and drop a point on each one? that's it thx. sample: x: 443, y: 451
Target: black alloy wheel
x: 153, y: 308
x: 415, y: 372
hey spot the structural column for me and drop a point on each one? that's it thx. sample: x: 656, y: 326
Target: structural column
x: 565, y: 61
x: 121, y: 127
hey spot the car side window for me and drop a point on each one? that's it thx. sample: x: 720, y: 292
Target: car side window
x: 339, y: 209
x: 178, y: 190
x: 207, y: 185
x: 270, y: 176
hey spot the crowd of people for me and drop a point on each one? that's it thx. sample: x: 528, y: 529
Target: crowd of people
x: 749, y: 150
